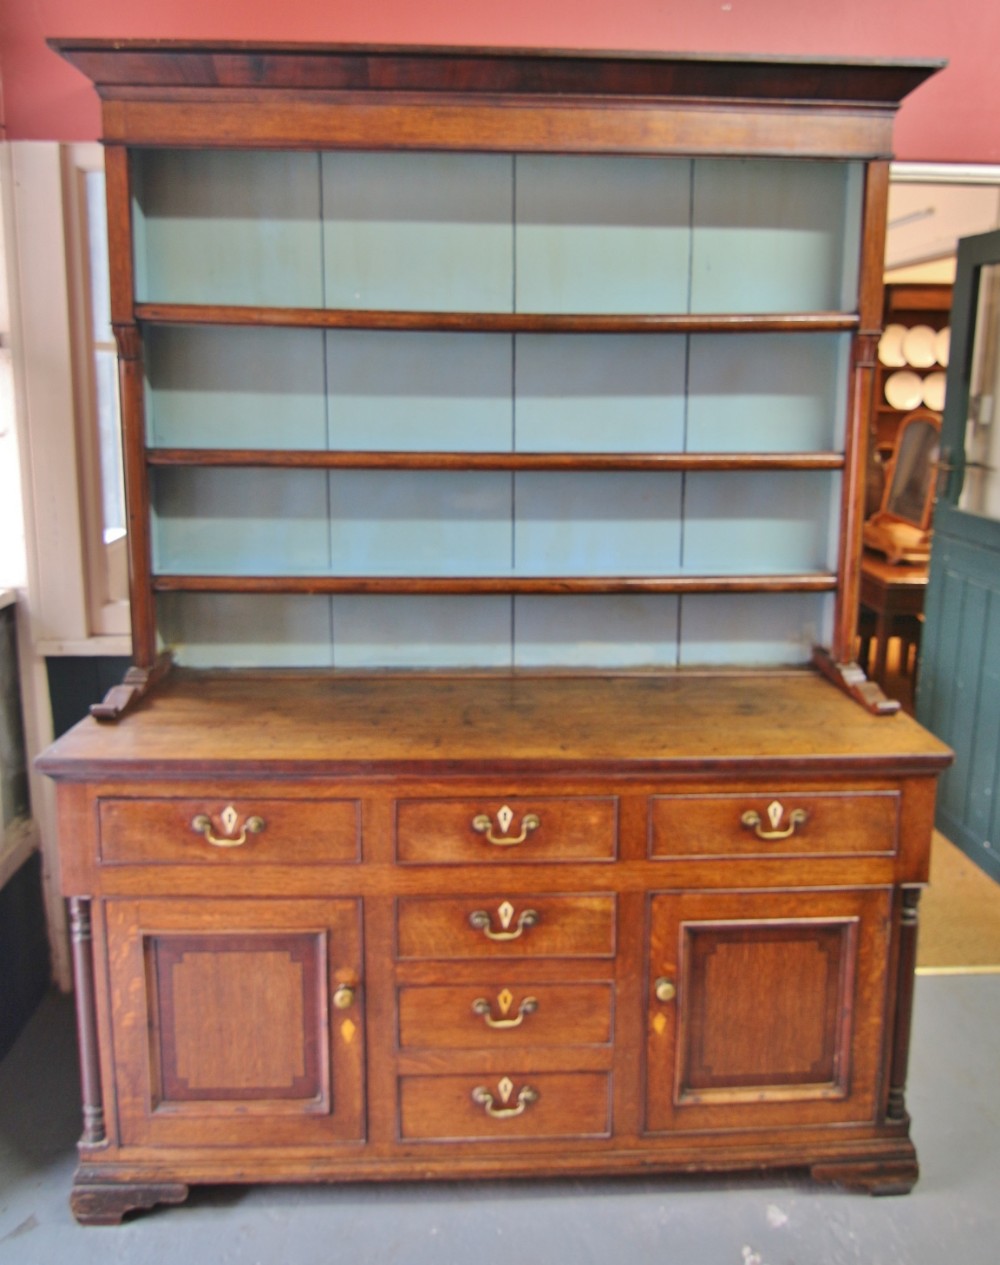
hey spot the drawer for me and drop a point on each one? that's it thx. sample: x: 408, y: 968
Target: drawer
x: 487, y: 829
x: 243, y: 831
x: 516, y: 1106
x: 774, y: 824
x: 488, y: 927
x: 471, y: 1016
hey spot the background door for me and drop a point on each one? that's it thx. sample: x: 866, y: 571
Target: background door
x: 958, y: 694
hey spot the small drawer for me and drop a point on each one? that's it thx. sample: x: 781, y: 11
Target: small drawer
x: 774, y: 824
x: 487, y: 829
x: 516, y: 927
x: 243, y: 831
x: 471, y: 1016
x: 518, y: 1105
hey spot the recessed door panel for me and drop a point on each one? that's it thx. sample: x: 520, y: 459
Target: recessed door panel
x: 764, y: 1008
x: 237, y: 1023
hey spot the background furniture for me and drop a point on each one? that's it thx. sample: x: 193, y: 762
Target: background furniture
x: 911, y: 307
x: 900, y: 529
x: 892, y: 603
x: 545, y: 373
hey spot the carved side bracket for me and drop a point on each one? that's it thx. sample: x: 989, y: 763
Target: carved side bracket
x: 851, y: 679
x: 136, y: 683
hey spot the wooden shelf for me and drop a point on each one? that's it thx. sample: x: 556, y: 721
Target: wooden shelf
x: 815, y: 582
x: 499, y: 322
x: 452, y: 460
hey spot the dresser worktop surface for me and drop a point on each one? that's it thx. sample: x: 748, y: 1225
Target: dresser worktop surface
x: 325, y: 724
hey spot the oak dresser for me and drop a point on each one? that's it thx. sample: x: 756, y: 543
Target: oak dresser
x: 494, y: 792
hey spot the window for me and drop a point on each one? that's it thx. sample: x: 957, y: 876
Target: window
x: 96, y: 391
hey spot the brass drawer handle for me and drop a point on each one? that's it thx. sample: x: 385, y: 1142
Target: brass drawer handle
x: 482, y: 1007
x: 202, y: 824
x: 481, y: 921
x: 483, y: 825
x: 797, y: 817
x: 483, y: 1098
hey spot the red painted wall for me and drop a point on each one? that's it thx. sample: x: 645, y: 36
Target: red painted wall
x: 954, y: 118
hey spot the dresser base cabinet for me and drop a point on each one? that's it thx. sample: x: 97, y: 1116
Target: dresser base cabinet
x: 410, y: 927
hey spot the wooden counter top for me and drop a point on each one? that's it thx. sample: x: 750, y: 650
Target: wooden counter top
x: 322, y: 725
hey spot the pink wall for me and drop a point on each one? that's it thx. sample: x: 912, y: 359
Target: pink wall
x: 954, y: 118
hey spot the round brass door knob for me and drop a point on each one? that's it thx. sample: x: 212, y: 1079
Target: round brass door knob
x: 665, y: 989
x: 343, y: 997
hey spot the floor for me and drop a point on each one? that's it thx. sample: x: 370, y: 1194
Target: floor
x: 951, y: 1218
x: 959, y: 914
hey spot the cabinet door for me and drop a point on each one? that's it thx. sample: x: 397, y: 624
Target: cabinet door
x: 236, y: 1022
x: 765, y: 1008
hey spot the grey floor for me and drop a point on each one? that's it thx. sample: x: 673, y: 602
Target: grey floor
x: 951, y: 1218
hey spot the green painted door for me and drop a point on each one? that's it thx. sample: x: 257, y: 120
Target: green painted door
x: 958, y: 695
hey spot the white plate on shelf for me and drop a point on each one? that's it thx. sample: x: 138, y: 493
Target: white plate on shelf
x: 933, y: 391
x: 890, y: 347
x: 903, y: 390
x: 942, y: 345
x: 920, y: 347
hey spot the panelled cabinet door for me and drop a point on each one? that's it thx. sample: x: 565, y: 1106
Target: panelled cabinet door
x: 765, y: 1008
x: 236, y: 1023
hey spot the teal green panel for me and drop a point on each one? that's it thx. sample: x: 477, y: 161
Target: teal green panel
x: 767, y: 392
x: 939, y: 660
x: 617, y: 631
x: 418, y: 231
x: 964, y: 686
x: 771, y: 522
x: 958, y: 695
x: 752, y: 629
x: 222, y: 226
x: 602, y: 234
x: 599, y: 393
x: 404, y: 522
x: 237, y: 630
x: 249, y: 522
x: 774, y: 235
x: 225, y: 387
x: 420, y: 391
x: 984, y: 764
x: 597, y: 524
x: 391, y: 631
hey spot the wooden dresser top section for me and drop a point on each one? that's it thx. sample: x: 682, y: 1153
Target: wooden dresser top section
x: 312, y: 725
x: 398, y: 97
